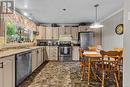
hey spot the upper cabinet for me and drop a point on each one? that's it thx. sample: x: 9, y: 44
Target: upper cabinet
x: 62, y: 30
x: 55, y: 33
x: 68, y: 30
x: 42, y: 32
x: 83, y: 28
x: 74, y: 32
x: 49, y: 33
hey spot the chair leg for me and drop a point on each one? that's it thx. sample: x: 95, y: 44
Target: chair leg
x: 117, y: 84
x: 82, y: 71
x: 103, y: 77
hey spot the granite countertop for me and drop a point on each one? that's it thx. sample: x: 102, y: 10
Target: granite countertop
x: 16, y: 51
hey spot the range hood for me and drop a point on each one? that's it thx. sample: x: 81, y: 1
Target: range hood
x: 65, y: 37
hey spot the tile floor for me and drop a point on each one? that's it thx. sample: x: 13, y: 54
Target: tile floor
x: 59, y: 74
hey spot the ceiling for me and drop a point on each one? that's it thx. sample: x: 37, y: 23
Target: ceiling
x: 51, y: 11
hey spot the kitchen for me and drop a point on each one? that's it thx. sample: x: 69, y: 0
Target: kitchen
x: 39, y: 42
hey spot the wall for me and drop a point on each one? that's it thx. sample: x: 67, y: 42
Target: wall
x: 126, y: 61
x: 109, y: 38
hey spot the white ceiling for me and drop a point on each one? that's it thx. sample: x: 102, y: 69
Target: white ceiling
x: 50, y: 11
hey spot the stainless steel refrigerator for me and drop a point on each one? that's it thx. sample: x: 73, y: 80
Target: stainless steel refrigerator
x: 86, y: 39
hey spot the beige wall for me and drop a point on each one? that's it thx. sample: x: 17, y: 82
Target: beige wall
x: 109, y: 38
x: 126, y: 61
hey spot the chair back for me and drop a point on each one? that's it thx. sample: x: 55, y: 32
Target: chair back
x: 113, y: 63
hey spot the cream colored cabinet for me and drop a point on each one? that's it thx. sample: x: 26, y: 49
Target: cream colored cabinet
x: 45, y: 57
x: 62, y: 31
x: 53, y: 53
x: 49, y: 33
x: 55, y: 33
x: 42, y: 32
x: 39, y: 29
x: 97, y: 36
x: 83, y: 28
x: 7, y: 72
x: 34, y: 60
x: 75, y: 51
x: 39, y: 56
x: 68, y: 30
x: 74, y: 33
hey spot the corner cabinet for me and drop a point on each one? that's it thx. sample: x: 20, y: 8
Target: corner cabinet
x: 7, y: 71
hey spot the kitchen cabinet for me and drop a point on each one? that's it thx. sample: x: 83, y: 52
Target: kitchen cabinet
x: 62, y: 31
x: 83, y: 28
x: 55, y: 33
x: 52, y: 52
x: 34, y: 60
x: 49, y: 33
x: 68, y: 30
x: 75, y: 55
x: 97, y: 36
x: 39, y: 56
x: 42, y: 32
x: 7, y: 71
x: 45, y: 57
x: 39, y: 29
x: 74, y: 33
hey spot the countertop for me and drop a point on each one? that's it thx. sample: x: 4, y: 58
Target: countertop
x: 16, y: 51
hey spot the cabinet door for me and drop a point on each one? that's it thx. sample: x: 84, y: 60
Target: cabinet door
x: 68, y: 30
x: 45, y: 54
x: 34, y: 60
x: 43, y: 32
x: 74, y: 33
x: 83, y: 28
x: 53, y: 53
x: 48, y: 32
x: 75, y: 53
x: 1, y: 74
x: 62, y: 30
x: 55, y: 33
x: 39, y: 56
x: 39, y: 28
x: 7, y: 72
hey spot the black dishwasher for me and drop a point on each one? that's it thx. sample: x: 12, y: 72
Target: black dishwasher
x: 23, y: 66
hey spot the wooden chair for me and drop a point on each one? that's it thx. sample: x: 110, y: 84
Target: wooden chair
x: 82, y: 63
x: 92, y: 48
x: 109, y: 64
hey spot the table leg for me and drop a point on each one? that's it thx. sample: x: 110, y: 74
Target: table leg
x: 89, y: 66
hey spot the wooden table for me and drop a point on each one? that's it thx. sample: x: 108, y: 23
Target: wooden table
x: 91, y: 55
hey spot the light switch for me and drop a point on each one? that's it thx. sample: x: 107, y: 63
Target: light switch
x: 129, y: 16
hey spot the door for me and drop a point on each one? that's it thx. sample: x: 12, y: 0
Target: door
x: 1, y: 74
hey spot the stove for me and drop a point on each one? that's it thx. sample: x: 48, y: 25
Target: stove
x: 65, y: 51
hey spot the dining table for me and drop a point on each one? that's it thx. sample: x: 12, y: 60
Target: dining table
x: 91, y: 56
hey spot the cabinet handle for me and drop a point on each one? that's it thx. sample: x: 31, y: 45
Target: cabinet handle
x: 1, y: 65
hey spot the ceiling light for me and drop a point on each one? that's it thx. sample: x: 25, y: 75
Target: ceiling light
x: 96, y: 24
x: 25, y: 14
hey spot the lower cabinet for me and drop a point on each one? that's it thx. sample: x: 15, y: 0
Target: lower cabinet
x: 75, y: 55
x: 38, y: 57
x: 52, y: 52
x: 34, y: 60
x: 7, y: 72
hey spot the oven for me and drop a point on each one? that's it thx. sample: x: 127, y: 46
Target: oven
x: 65, y: 51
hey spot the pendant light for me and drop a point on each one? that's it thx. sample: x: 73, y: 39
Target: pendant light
x: 96, y: 24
